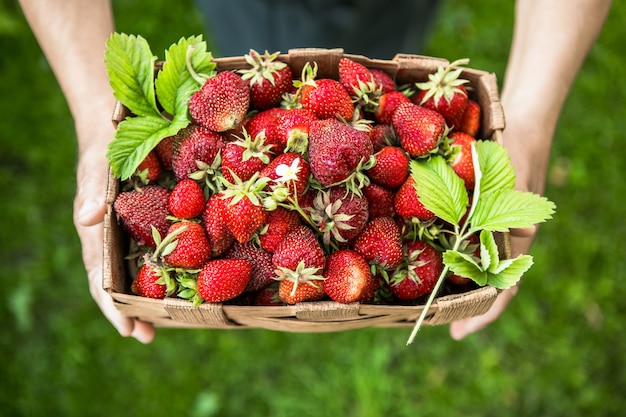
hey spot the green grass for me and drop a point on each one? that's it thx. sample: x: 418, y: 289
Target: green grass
x: 558, y: 350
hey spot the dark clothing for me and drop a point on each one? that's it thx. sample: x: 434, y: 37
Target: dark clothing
x: 377, y: 29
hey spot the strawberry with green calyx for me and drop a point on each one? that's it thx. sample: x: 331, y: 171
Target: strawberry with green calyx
x: 407, y: 203
x: 279, y: 223
x: 140, y: 210
x: 383, y: 80
x: 262, y: 273
x: 290, y: 170
x: 244, y: 213
x: 495, y: 207
x: 212, y: 219
x: 268, y: 296
x: 420, y: 130
x: 245, y: 156
x: 199, y: 144
x: 418, y: 273
x: 380, y: 243
x: 337, y: 151
x: 300, y: 284
x: 268, y: 78
x: 209, y: 175
x: 222, y: 102
x: 348, y: 278
x: 444, y: 93
x: 299, y: 244
x: 387, y: 105
x: 148, y: 171
x: 292, y: 129
x: 192, y: 249
x: 460, y: 157
x: 221, y: 280
x: 359, y: 83
x: 149, y: 282
x: 382, y: 135
x: 391, y: 168
x: 265, y: 122
x: 186, y: 201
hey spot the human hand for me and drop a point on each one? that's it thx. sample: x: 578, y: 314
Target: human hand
x: 89, y: 210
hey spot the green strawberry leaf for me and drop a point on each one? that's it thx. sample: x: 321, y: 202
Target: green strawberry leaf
x: 174, y: 83
x: 464, y: 265
x: 135, y: 137
x: 440, y: 189
x: 130, y: 66
x: 501, y: 210
x: 510, y: 272
x: 495, y: 165
x: 489, y: 256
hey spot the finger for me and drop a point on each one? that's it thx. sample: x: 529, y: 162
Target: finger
x: 462, y: 328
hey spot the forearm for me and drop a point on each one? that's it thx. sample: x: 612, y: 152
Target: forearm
x: 550, y: 42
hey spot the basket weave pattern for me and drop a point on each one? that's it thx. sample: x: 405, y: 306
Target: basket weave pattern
x: 319, y: 316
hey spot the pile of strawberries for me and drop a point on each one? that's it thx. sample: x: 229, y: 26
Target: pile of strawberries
x: 289, y: 188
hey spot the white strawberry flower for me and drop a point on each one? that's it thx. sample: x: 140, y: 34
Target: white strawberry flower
x: 287, y: 173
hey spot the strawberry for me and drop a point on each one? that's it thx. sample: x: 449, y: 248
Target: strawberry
x: 387, y: 105
x: 244, y: 213
x: 383, y: 80
x: 292, y: 129
x: 192, y: 248
x: 336, y: 150
x: 444, y: 93
x: 149, y: 282
x: 200, y: 144
x: 299, y: 244
x: 348, y: 277
x: 223, y: 279
x: 149, y: 170
x: 290, y: 169
x: 300, y: 284
x: 268, y: 79
x: 268, y: 296
x: 279, y: 223
x: 142, y: 209
x: 266, y: 122
x: 165, y: 151
x: 391, y: 168
x: 470, y: 122
x: 244, y: 157
x: 219, y: 235
x: 383, y: 135
x: 221, y: 103
x: 407, y: 204
x: 379, y: 200
x: 418, y: 128
x: 418, y: 276
x: 339, y: 214
x: 353, y: 75
x: 261, y: 261
x: 460, y: 158
x: 380, y: 243
x: 186, y: 200
x: 325, y: 97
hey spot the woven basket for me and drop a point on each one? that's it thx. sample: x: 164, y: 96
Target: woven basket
x: 318, y: 316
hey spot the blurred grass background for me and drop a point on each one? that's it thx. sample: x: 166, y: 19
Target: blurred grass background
x: 558, y: 350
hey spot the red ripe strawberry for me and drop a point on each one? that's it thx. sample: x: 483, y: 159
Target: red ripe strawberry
x: 353, y: 76
x: 186, y: 200
x: 149, y: 282
x: 219, y: 235
x: 221, y: 103
x: 387, y: 105
x: 223, y: 279
x: 298, y: 286
x: 290, y: 169
x: 383, y: 80
x: 149, y: 170
x: 268, y: 78
x: 200, y: 144
x: 461, y: 157
x: 192, y: 248
x: 391, y: 168
x: 348, y: 277
x: 268, y: 296
x: 165, y: 151
x: 339, y: 214
x: 266, y: 122
x: 444, y: 93
x: 380, y: 243
x: 336, y: 149
x: 244, y: 212
x: 299, y: 244
x: 244, y: 157
x: 418, y: 128
x: 327, y: 99
x: 142, y: 209
x: 379, y: 200
x: 470, y: 123
x: 261, y: 261
x: 382, y: 135
x: 293, y: 129
x: 419, y: 276
x: 279, y: 223
x: 407, y: 204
